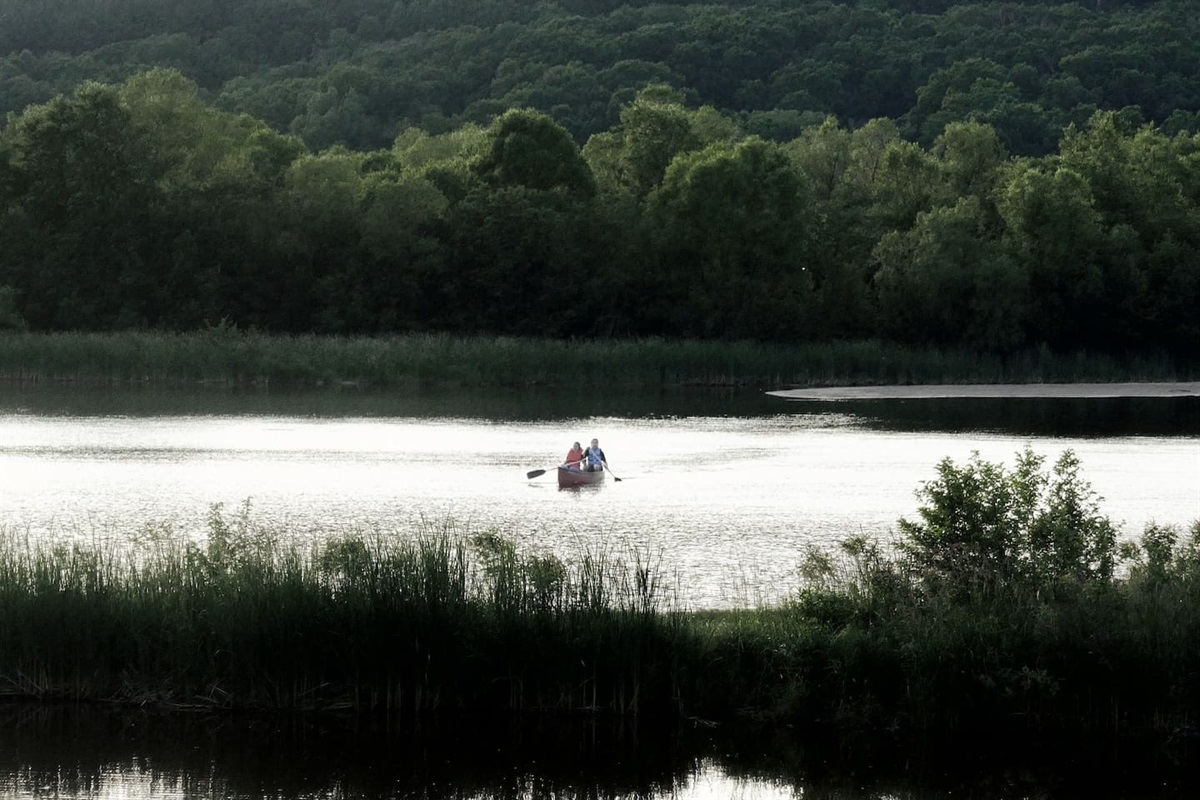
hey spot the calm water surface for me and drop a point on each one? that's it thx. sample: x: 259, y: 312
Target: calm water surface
x: 57, y: 752
x: 725, y: 491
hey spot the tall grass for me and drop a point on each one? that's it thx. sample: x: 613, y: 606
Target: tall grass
x: 452, y: 621
x: 226, y: 355
x: 443, y: 621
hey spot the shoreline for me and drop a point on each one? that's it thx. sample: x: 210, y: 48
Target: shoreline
x: 225, y: 356
x: 993, y: 391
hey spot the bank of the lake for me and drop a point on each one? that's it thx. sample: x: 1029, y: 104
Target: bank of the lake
x: 448, y: 623
x: 225, y: 355
x: 1002, y: 391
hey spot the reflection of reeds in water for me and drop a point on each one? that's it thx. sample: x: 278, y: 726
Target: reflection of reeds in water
x: 442, y: 621
x: 85, y: 751
x: 88, y: 751
x: 226, y: 355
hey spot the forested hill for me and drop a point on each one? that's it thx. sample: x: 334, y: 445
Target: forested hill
x: 358, y: 72
x: 998, y: 176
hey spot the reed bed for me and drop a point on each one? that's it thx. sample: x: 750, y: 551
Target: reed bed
x: 454, y: 621
x: 226, y: 355
x: 444, y: 621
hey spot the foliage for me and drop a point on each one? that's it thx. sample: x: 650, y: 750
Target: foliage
x: 226, y: 354
x: 529, y: 149
x: 987, y: 530
x: 10, y: 318
x: 732, y: 223
x: 357, y: 72
x: 1007, y: 597
x: 140, y: 206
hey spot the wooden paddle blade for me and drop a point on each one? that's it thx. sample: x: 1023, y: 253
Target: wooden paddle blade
x: 535, y: 473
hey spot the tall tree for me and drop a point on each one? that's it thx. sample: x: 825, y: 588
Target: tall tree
x: 734, y: 228
x: 654, y: 129
x: 528, y: 148
x: 82, y: 214
x: 946, y: 282
x: 1053, y: 230
x: 842, y: 167
x: 220, y: 176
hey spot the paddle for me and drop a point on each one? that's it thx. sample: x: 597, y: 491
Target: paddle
x: 610, y: 472
x: 537, y: 473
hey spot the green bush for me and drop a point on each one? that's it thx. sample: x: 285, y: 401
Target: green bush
x: 987, y: 530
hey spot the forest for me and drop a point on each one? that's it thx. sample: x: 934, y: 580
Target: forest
x: 995, y: 175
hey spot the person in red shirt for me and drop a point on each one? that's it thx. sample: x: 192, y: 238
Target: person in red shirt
x: 574, y: 456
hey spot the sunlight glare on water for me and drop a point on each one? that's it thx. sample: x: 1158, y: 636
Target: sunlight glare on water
x: 725, y: 505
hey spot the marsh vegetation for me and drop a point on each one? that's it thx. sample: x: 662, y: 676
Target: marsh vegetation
x: 1009, y: 603
x: 223, y: 354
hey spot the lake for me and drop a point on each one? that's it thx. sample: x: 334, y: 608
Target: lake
x: 724, y: 491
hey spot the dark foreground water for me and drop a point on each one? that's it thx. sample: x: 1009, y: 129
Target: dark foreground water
x: 61, y: 752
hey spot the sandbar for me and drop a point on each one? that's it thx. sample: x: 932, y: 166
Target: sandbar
x: 993, y: 390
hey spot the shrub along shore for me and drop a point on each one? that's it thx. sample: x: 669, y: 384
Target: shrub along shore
x: 1008, y: 605
x: 224, y: 354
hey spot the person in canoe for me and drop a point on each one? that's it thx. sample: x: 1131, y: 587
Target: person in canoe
x: 574, y: 457
x: 594, y: 459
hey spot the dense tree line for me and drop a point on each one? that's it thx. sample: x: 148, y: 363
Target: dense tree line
x: 143, y: 206
x: 359, y: 72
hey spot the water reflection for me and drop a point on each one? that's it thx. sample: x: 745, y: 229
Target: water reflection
x: 1092, y: 417
x: 1135, y: 416
x: 524, y: 405
x: 52, y: 751
x: 55, y: 752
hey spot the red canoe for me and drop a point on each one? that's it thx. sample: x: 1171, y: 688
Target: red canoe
x: 577, y: 477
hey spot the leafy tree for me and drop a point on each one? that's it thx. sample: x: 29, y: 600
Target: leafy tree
x: 82, y: 214
x: 970, y: 155
x: 518, y: 262
x: 940, y: 278
x: 398, y: 220
x: 1052, y: 229
x: 158, y: 209
x: 570, y: 93
x: 10, y: 317
x: 986, y: 530
x: 654, y: 129
x: 446, y: 159
x: 315, y: 281
x: 415, y: 148
x: 356, y: 71
x: 1140, y: 182
x: 220, y: 176
x: 733, y: 225
x: 527, y: 148
x: 842, y: 167
x: 906, y: 183
x: 945, y: 282
x: 930, y: 115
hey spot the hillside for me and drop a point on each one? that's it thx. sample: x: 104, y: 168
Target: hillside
x: 1003, y: 177
x: 358, y: 72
